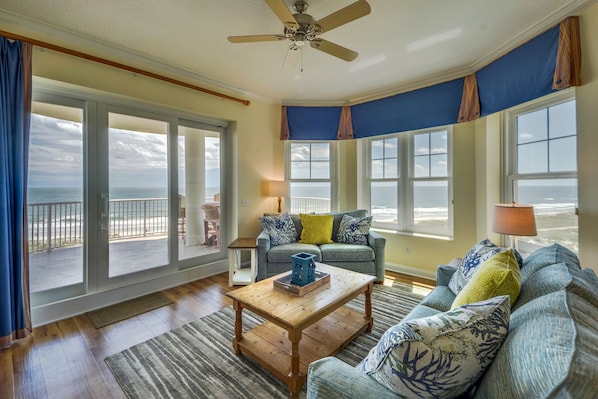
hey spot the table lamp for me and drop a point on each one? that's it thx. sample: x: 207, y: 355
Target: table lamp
x: 277, y: 189
x: 514, y: 220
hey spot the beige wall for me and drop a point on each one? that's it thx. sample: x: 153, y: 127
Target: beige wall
x: 587, y: 145
x: 259, y: 154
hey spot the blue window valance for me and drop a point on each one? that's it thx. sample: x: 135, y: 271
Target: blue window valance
x: 519, y: 76
x: 549, y: 62
x: 431, y: 106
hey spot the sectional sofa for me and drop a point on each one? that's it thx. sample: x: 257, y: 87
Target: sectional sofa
x: 549, y: 350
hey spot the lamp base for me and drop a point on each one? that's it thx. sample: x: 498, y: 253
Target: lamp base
x: 279, y: 208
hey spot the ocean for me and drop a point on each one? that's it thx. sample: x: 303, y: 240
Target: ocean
x: 430, y: 199
x: 37, y: 195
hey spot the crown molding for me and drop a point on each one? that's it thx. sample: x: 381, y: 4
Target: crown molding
x: 570, y: 9
x: 19, y: 24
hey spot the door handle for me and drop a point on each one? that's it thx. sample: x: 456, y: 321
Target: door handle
x: 103, y: 228
x: 104, y: 212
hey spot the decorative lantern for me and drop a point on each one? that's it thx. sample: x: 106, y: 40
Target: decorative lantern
x: 303, y: 269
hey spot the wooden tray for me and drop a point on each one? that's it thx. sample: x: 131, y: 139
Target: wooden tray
x: 284, y: 284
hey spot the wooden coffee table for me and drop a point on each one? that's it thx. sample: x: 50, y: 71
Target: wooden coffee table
x: 300, y: 330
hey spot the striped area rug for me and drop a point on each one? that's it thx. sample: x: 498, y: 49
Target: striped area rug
x: 197, y: 359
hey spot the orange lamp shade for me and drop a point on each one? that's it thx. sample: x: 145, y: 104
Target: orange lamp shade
x: 515, y: 219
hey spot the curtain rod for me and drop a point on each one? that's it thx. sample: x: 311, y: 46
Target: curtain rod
x: 104, y: 61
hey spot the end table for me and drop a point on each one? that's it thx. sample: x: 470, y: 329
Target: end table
x: 237, y: 275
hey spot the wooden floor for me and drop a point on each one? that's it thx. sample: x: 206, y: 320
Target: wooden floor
x: 65, y: 359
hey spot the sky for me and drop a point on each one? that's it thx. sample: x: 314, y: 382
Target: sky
x: 136, y: 159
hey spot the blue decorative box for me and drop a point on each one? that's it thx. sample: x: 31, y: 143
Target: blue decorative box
x: 304, y: 268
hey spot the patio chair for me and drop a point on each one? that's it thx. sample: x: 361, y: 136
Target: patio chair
x: 211, y: 224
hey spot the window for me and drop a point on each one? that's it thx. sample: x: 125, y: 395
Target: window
x: 311, y: 171
x: 409, y: 182
x: 542, y: 168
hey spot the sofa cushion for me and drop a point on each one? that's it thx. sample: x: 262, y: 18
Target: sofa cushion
x: 283, y: 253
x: 441, y: 298
x: 354, y: 230
x: 439, y: 356
x: 550, y: 351
x: 337, y: 252
x: 549, y: 279
x: 546, y: 256
x: 477, y: 255
x: 498, y: 275
x: 317, y: 229
x: 280, y: 228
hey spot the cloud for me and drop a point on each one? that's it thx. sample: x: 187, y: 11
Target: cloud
x: 135, y: 159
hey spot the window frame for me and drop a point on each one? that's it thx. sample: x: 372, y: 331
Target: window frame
x: 405, y: 181
x: 333, y: 172
x: 510, y: 174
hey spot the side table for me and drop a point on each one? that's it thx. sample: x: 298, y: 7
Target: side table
x: 237, y: 275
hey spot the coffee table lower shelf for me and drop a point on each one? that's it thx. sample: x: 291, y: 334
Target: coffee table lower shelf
x: 269, y: 345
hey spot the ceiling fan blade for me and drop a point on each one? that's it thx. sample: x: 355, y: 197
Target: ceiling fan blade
x: 256, y: 38
x: 282, y: 11
x: 334, y: 49
x: 345, y: 15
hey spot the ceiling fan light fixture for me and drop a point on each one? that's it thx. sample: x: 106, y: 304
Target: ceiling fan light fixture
x: 301, y: 28
x: 299, y: 39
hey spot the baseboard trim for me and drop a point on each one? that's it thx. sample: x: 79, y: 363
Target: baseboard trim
x: 412, y: 271
x: 49, y: 313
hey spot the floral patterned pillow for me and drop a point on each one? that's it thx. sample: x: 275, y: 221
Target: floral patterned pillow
x: 354, y: 230
x: 440, y: 356
x: 478, y: 254
x: 280, y: 228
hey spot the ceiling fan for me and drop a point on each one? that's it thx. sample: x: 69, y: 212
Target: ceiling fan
x: 301, y: 28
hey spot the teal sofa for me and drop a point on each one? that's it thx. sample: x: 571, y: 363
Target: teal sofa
x: 368, y: 259
x: 550, y: 351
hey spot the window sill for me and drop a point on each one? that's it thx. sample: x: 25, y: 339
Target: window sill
x: 412, y: 234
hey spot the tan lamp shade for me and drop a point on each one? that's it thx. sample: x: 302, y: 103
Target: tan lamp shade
x: 278, y: 189
x: 515, y: 220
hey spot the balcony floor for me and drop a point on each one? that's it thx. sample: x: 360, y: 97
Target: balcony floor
x: 63, y: 266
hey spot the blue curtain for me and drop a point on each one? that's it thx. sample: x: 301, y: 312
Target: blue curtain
x: 15, y: 110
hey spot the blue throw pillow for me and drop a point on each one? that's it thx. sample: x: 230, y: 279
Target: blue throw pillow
x: 354, y: 230
x: 280, y: 228
x: 440, y: 356
x: 478, y: 254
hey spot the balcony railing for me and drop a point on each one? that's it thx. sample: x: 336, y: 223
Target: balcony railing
x: 306, y: 204
x: 60, y: 224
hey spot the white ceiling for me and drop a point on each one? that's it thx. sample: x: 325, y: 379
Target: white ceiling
x: 402, y: 44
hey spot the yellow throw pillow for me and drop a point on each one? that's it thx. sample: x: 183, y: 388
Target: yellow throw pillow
x: 499, y: 275
x: 317, y: 229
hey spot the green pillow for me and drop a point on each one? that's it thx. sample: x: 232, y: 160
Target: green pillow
x: 499, y: 275
x: 317, y: 229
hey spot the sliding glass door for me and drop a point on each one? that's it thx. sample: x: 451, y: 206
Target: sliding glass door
x: 119, y: 195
